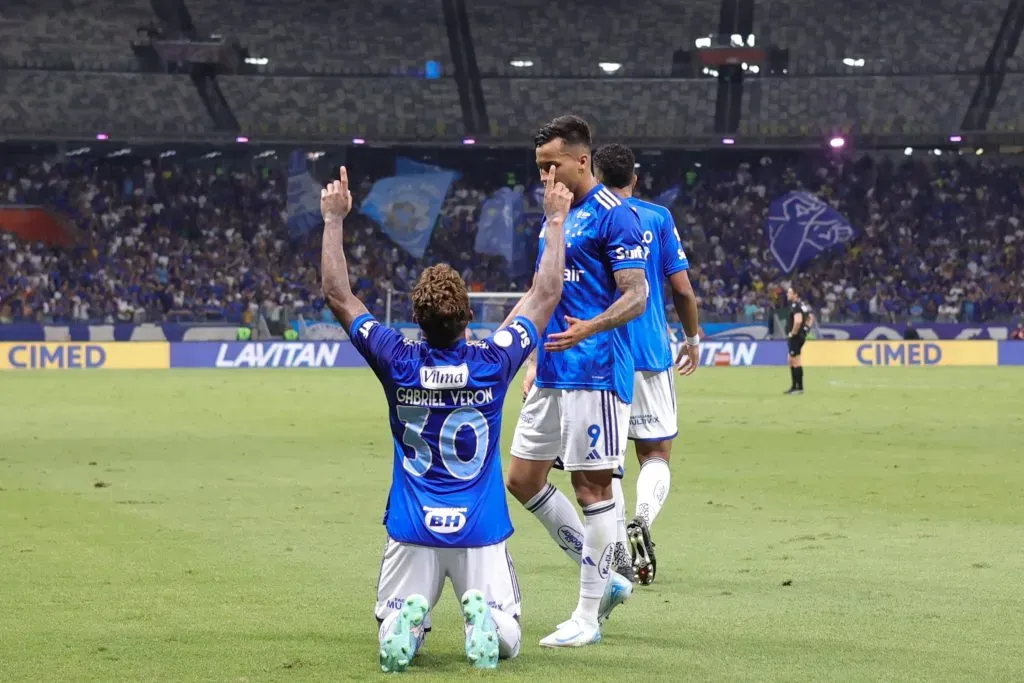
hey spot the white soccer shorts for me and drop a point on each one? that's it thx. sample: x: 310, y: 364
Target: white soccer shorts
x: 415, y: 569
x: 653, y: 416
x: 583, y: 428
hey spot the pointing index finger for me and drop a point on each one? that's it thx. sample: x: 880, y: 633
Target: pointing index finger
x: 344, y: 179
x: 550, y: 184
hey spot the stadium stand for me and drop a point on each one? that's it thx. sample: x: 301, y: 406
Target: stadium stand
x: 84, y: 104
x: 370, y: 107
x: 507, y: 31
x: 81, y: 34
x: 942, y: 36
x: 939, y: 241
x: 868, y: 104
x: 322, y: 37
x: 649, y: 108
x: 1008, y: 113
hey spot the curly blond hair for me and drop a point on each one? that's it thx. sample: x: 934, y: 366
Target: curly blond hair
x: 440, y: 305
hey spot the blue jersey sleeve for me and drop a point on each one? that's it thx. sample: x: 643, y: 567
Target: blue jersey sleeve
x: 624, y: 244
x: 514, y: 344
x: 374, y: 342
x: 673, y: 258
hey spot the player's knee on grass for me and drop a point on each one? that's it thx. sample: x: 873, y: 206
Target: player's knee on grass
x: 592, y: 486
x: 510, y: 634
x: 526, y: 478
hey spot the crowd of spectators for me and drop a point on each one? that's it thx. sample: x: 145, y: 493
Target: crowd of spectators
x: 938, y: 240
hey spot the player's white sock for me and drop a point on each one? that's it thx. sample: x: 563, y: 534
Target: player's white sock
x: 652, y: 488
x: 622, y: 558
x: 510, y: 634
x: 387, y: 626
x: 559, y: 517
x: 598, y: 541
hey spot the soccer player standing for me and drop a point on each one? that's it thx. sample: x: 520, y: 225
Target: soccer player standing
x: 447, y: 515
x: 577, y: 409
x: 797, y: 327
x: 653, y: 421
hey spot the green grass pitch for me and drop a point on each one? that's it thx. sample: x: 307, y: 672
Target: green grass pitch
x: 225, y: 526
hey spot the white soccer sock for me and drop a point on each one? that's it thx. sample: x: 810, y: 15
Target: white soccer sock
x: 559, y: 517
x: 387, y: 626
x: 622, y: 556
x: 510, y: 634
x: 596, y: 570
x: 652, y: 488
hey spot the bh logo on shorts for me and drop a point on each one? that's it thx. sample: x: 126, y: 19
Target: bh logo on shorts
x: 444, y: 520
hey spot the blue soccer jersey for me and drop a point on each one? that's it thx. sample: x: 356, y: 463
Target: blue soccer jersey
x: 445, y: 409
x: 602, y: 235
x: 665, y: 257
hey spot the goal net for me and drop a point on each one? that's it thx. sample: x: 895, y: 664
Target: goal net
x: 489, y: 310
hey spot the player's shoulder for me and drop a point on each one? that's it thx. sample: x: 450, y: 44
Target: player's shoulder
x: 604, y: 205
x: 651, y: 211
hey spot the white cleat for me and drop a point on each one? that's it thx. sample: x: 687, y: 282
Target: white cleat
x: 573, y: 633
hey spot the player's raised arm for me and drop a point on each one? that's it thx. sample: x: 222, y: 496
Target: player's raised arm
x: 543, y: 296
x: 335, y: 203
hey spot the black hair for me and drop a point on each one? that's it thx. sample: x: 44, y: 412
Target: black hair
x: 615, y: 164
x: 570, y: 128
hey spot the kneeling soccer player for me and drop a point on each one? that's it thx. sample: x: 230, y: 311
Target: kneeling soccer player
x: 447, y: 516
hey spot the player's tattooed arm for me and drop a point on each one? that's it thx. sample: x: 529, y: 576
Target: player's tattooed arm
x: 632, y: 284
x: 335, y: 203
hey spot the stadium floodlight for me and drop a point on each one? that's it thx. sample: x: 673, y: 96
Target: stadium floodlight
x: 836, y: 142
x: 744, y: 66
x: 937, y: 152
x: 751, y: 40
x: 257, y: 61
x: 102, y: 136
x: 979, y: 151
x: 609, y: 67
x: 703, y: 42
x: 755, y: 69
x: 636, y: 164
x: 713, y: 72
x: 850, y: 61
x: 468, y: 141
x: 728, y: 141
x: 211, y: 155
x: 124, y: 151
x: 955, y: 138
x: 167, y: 154
x: 521, y: 63
x: 313, y: 156
x: 358, y: 141
x: 241, y: 138
x: 908, y: 151
x: 736, y: 40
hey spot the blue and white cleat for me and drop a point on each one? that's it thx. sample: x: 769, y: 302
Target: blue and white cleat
x: 481, y: 632
x: 398, y: 649
x: 618, y: 591
x: 573, y: 633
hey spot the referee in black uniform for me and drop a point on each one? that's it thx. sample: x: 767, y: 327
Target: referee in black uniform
x: 796, y: 334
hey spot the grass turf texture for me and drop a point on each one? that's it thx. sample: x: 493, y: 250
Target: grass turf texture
x: 224, y: 526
